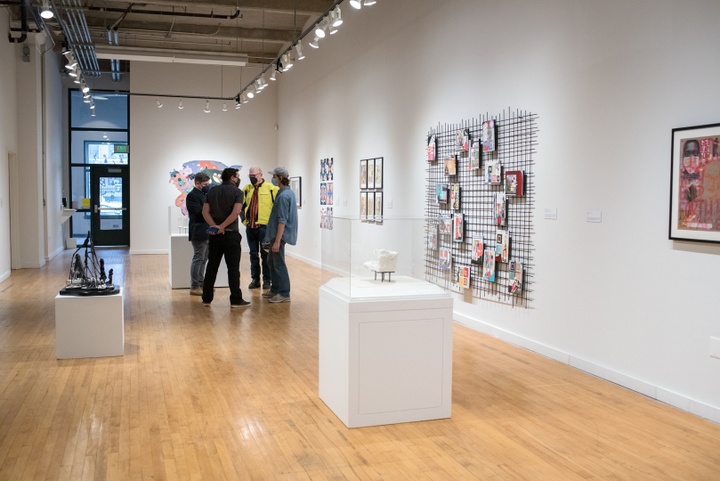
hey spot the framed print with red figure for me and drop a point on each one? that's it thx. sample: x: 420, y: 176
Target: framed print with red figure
x: 695, y: 184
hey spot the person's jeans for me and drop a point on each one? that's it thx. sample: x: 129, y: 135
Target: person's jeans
x: 227, y: 245
x: 278, y: 269
x: 254, y: 238
x: 197, y: 266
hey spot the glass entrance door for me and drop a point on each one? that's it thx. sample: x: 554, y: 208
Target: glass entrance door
x: 109, y: 212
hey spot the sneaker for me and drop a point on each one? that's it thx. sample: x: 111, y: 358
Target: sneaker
x: 279, y: 298
x: 269, y: 294
x: 266, y: 285
x: 196, y: 291
x: 242, y: 303
x: 254, y: 284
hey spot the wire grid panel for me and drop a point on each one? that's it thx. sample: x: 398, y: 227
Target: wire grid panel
x: 475, y: 200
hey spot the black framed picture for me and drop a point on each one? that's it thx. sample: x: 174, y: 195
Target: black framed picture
x: 695, y: 184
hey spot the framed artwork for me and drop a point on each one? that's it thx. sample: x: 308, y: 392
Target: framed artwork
x: 431, y: 148
x: 296, y: 187
x: 371, y: 206
x: 476, y: 254
x: 462, y: 142
x: 474, y: 163
x: 455, y: 196
x: 458, y: 227
x: 695, y: 184
x: 378, y: 206
x: 515, y: 275
x: 432, y: 238
x: 363, y: 174
x: 323, y: 193
x: 444, y: 259
x: 488, y: 136
x: 363, y: 205
x: 450, y: 165
x: 379, y: 173
x: 370, y: 173
x: 488, y: 270
x: 445, y: 224
x: 441, y: 193
x: 514, y: 182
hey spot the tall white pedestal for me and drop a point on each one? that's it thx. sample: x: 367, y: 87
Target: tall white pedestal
x: 181, y: 254
x: 385, y: 351
x: 89, y: 326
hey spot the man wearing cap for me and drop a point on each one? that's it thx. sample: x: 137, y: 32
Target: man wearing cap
x: 221, y: 210
x: 281, y: 229
x: 259, y: 199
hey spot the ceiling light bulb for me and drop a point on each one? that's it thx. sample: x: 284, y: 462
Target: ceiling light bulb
x: 337, y: 17
x: 272, y: 75
x: 367, y: 3
x: 224, y: 107
x: 237, y: 103
x: 158, y: 103
x: 320, y: 31
x: 92, y: 113
x: 46, y: 12
x: 315, y: 42
x: 72, y: 73
x: 207, y: 107
x: 85, y: 89
x: 92, y: 106
x: 250, y: 94
x: 356, y: 4
x: 244, y: 98
x: 180, y: 105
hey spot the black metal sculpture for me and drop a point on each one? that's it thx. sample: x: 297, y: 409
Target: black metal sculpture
x: 88, y: 278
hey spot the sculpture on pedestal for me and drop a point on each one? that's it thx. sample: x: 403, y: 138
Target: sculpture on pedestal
x: 87, y: 277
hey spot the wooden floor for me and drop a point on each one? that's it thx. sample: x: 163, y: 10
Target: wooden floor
x: 220, y: 394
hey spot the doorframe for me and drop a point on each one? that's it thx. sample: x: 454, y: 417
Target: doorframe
x: 14, y: 199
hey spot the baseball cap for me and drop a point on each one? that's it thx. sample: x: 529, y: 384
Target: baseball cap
x: 280, y: 172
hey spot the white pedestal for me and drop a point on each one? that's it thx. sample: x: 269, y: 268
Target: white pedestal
x: 181, y: 253
x: 89, y: 326
x: 385, y: 351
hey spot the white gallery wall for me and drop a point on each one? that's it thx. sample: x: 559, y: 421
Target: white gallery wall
x: 163, y: 139
x: 608, y: 80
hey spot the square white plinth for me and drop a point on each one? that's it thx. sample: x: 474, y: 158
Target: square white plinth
x: 89, y: 326
x: 385, y: 351
x: 181, y: 254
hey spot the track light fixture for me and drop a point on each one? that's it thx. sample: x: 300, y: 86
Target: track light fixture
x: 356, y: 4
x: 45, y: 11
x: 299, y: 55
x: 337, y: 17
x: 224, y: 109
x: 368, y: 3
x: 320, y: 30
x: 250, y: 93
x: 272, y: 75
x: 315, y: 43
x: 180, y: 105
x: 238, y: 104
x: 158, y: 103
x: 207, y: 107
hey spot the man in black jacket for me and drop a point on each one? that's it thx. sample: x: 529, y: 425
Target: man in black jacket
x: 197, y: 231
x: 221, y: 211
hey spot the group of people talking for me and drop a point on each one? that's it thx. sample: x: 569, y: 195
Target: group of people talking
x: 268, y: 211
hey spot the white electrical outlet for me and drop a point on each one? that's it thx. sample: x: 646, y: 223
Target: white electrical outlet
x: 550, y: 214
x: 715, y: 347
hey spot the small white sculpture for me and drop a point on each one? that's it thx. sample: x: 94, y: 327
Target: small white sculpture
x: 384, y: 262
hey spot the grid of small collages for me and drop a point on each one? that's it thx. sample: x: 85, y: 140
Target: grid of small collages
x: 479, y: 206
x: 371, y: 190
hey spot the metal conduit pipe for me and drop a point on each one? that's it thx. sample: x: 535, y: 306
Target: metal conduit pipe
x: 164, y: 13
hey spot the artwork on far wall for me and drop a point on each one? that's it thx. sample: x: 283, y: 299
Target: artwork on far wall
x: 488, y: 136
x: 371, y: 195
x: 327, y: 183
x: 296, y: 187
x: 182, y: 178
x: 431, y: 148
x: 695, y: 184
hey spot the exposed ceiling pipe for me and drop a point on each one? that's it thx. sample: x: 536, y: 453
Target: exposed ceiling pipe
x: 131, y: 9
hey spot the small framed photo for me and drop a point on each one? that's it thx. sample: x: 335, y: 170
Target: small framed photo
x: 371, y: 206
x: 450, y: 164
x: 363, y: 206
x: 458, y: 227
x: 379, y: 173
x: 695, y: 184
x: 296, y: 187
x: 363, y: 174
x: 370, y: 173
x: 378, y: 206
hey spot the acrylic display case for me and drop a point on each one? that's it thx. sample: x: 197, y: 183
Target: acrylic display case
x: 385, y: 346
